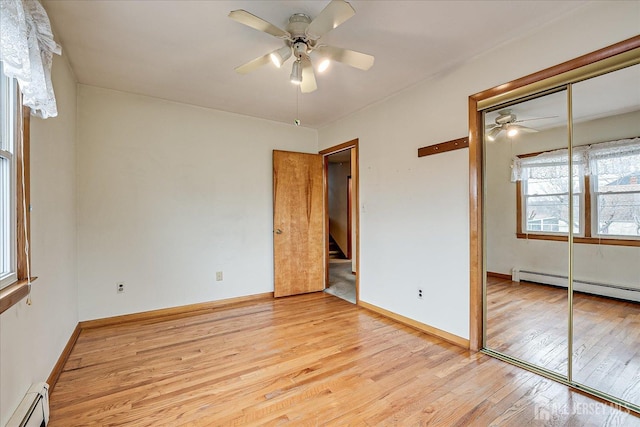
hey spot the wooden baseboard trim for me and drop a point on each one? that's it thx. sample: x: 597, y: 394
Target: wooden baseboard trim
x: 180, y: 311
x: 453, y: 339
x: 499, y: 275
x: 57, y: 369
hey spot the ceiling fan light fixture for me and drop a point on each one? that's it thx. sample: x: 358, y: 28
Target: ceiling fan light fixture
x: 324, y: 65
x: 296, y: 73
x: 512, y: 131
x: 279, y: 56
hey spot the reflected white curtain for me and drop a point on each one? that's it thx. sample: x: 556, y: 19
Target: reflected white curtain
x: 26, y: 51
x: 620, y: 157
x: 549, y: 165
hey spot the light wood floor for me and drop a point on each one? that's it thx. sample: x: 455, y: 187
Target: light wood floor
x: 305, y: 360
x: 530, y: 322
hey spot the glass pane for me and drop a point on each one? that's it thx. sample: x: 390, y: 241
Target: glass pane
x: 606, y: 308
x: 3, y: 111
x: 619, y: 214
x: 526, y: 280
x: 5, y: 235
x: 551, y: 213
x: 618, y: 174
x: 7, y: 96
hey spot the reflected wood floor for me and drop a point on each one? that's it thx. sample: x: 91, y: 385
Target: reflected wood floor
x: 530, y: 322
x: 306, y: 360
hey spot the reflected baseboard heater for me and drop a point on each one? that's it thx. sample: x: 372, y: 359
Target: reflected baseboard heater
x: 33, y: 411
x: 596, y: 288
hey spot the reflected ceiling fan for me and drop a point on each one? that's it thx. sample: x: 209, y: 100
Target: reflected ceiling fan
x: 301, y: 39
x: 509, y: 123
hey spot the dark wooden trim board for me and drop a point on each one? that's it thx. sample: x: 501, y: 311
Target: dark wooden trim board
x: 148, y: 316
x: 475, y: 227
x: 340, y: 147
x: 163, y: 313
x: 13, y: 293
x: 23, y: 201
x: 443, y: 147
x: 499, y: 275
x: 57, y: 369
x: 581, y: 240
x: 422, y: 327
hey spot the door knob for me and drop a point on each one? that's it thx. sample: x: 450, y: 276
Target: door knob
x: 278, y: 231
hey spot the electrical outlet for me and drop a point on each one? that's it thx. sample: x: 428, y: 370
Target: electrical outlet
x: 420, y: 293
x: 218, y: 276
x: 120, y: 287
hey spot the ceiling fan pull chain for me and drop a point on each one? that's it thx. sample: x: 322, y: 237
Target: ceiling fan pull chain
x: 297, y: 120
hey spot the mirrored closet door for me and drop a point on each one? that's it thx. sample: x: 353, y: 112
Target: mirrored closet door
x: 527, y: 195
x: 606, y: 266
x: 561, y: 229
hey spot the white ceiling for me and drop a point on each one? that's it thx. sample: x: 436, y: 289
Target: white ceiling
x: 186, y: 51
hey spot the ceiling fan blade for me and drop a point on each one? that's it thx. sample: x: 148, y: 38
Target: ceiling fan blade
x: 489, y: 127
x: 536, y: 118
x: 524, y: 129
x: 355, y: 59
x: 527, y: 129
x: 308, y: 77
x: 334, y: 14
x: 253, y: 64
x: 250, y: 20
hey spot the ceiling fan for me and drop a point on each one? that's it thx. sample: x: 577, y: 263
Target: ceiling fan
x: 301, y: 39
x: 508, y: 122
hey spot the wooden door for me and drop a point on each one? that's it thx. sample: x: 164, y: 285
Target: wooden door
x: 298, y: 239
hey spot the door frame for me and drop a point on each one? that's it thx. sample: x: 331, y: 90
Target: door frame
x: 349, y: 217
x: 355, y: 181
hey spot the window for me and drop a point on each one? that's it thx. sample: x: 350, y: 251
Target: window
x: 606, y: 193
x: 616, y: 192
x: 8, y: 178
x: 546, y: 198
x: 14, y: 195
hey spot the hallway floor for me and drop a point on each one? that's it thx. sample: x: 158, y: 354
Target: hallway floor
x: 342, y: 282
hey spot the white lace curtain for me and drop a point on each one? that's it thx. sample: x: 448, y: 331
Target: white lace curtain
x: 620, y: 157
x: 26, y: 51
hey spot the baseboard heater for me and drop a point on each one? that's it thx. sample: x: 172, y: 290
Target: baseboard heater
x: 33, y: 411
x: 596, y: 288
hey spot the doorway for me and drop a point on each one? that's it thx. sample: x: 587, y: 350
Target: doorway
x: 341, y: 221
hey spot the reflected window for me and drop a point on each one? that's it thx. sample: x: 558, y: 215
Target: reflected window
x: 616, y: 177
x: 610, y: 208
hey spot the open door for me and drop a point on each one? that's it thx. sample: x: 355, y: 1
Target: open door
x: 298, y: 239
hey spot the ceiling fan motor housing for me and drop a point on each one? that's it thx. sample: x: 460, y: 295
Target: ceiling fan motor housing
x: 505, y: 117
x: 298, y: 23
x: 301, y: 45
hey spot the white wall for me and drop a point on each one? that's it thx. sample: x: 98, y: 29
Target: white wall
x: 414, y: 223
x: 168, y: 195
x: 338, y: 203
x: 33, y: 337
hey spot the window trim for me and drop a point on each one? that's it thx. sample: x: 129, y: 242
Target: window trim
x: 586, y: 216
x: 15, y: 292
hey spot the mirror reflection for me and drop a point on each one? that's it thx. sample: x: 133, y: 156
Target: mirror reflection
x: 526, y: 206
x: 606, y: 302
